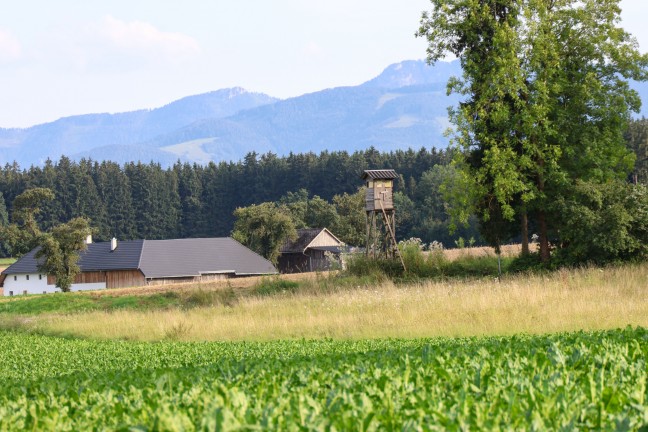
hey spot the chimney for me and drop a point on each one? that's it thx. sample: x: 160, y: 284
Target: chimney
x: 113, y: 244
x: 89, y: 239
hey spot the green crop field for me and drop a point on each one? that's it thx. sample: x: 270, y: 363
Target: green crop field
x: 583, y: 380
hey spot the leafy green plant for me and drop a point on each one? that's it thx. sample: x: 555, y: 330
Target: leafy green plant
x: 575, y: 381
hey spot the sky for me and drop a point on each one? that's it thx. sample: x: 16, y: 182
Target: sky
x: 68, y: 57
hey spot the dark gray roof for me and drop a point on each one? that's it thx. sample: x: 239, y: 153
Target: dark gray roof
x: 96, y: 257
x: 24, y: 264
x: 99, y: 257
x: 192, y: 257
x: 384, y: 174
x: 164, y: 258
x: 304, y: 237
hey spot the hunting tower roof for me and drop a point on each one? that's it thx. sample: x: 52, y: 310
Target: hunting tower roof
x: 384, y: 174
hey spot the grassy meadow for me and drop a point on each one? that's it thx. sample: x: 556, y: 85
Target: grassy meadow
x: 347, y: 308
x: 6, y: 262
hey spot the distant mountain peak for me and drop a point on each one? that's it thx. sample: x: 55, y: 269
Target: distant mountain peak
x: 414, y: 72
x: 237, y: 91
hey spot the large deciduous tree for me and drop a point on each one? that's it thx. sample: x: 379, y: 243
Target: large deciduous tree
x: 23, y: 233
x: 264, y: 228
x: 59, y: 250
x: 546, y: 101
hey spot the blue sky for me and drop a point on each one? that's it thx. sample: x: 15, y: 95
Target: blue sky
x: 67, y: 57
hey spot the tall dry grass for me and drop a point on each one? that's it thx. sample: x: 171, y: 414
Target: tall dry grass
x: 566, y: 300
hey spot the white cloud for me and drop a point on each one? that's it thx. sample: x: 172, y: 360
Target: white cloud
x: 10, y: 47
x: 312, y: 49
x: 142, y: 38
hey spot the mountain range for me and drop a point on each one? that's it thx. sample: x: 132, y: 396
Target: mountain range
x: 403, y: 107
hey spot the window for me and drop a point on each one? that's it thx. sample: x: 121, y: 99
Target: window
x: 44, y: 292
x: 40, y: 276
x: 25, y: 292
x: 10, y: 293
x: 27, y: 276
x: 15, y: 277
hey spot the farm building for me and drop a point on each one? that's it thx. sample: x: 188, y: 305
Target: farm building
x: 142, y: 262
x: 308, y: 251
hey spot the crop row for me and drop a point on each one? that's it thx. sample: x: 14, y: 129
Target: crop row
x: 595, y: 380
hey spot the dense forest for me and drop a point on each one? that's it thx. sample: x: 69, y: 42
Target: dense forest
x: 139, y: 200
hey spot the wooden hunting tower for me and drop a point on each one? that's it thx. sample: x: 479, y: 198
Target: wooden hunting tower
x: 381, y: 214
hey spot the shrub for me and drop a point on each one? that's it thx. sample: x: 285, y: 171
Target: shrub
x: 271, y: 286
x: 200, y: 297
x: 378, y: 268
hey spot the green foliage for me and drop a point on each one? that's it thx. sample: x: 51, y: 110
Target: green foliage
x: 603, y: 222
x: 577, y: 381
x: 23, y: 234
x: 4, y: 216
x: 272, y: 286
x: 351, y: 227
x: 60, y: 251
x: 67, y: 303
x: 637, y: 140
x: 545, y: 103
x: 379, y: 269
x: 443, y: 209
x: 264, y: 228
x: 425, y: 265
x: 204, y: 297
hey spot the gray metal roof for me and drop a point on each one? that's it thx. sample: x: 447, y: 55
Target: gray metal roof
x: 164, y: 258
x: 99, y: 257
x: 304, y: 237
x: 24, y: 264
x: 384, y: 174
x: 96, y: 257
x: 193, y: 257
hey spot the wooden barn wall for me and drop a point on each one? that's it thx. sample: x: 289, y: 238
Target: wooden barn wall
x: 314, y: 260
x: 214, y: 277
x: 84, y: 277
x: 124, y: 279
x: 292, y: 263
x: 113, y: 279
x: 190, y: 279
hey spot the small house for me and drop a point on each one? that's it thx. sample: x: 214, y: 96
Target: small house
x: 314, y: 249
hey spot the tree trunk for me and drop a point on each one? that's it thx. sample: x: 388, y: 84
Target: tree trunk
x: 542, y: 218
x: 544, y: 240
x: 525, y: 234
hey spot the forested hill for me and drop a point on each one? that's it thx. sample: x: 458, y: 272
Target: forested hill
x: 148, y: 201
x: 122, y: 131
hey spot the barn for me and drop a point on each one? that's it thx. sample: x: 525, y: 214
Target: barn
x: 308, y: 252
x: 118, y: 264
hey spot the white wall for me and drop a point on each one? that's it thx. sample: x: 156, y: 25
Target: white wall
x: 39, y: 286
